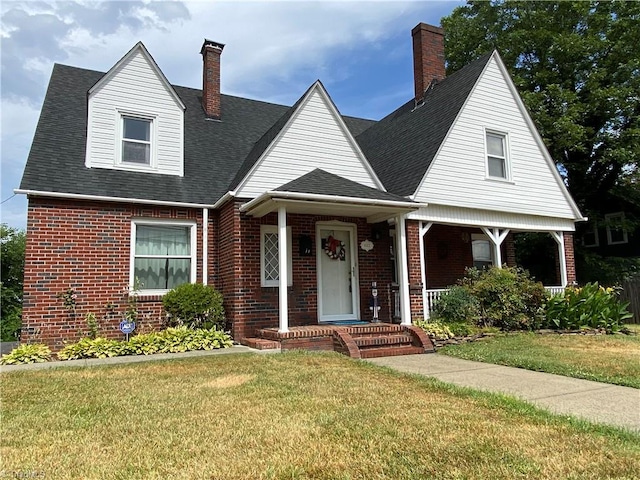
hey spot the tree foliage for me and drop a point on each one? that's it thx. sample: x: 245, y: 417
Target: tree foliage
x: 12, y: 244
x: 577, y: 68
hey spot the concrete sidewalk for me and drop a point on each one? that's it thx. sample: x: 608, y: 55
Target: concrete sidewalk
x: 593, y: 401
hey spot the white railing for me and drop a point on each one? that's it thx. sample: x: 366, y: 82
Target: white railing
x: 431, y: 296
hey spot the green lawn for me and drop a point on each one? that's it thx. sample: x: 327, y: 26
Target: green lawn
x: 604, y: 358
x: 294, y: 416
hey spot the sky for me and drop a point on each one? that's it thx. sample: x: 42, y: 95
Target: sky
x: 274, y: 50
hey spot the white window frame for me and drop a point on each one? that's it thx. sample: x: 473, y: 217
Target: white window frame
x: 506, y: 158
x: 479, y: 237
x: 608, y: 217
x: 120, y: 163
x: 596, y: 238
x: 159, y: 222
x: 273, y: 229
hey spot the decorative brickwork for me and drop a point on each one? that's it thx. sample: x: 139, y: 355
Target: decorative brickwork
x: 85, y: 246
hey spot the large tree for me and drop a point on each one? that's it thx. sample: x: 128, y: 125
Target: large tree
x: 12, y: 244
x: 577, y: 68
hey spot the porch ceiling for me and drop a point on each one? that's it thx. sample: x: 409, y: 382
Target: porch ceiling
x: 373, y: 210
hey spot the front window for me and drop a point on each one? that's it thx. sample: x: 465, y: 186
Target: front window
x: 616, y: 233
x: 136, y: 140
x: 269, y: 257
x: 590, y: 237
x: 481, y: 250
x: 163, y: 255
x: 497, y: 155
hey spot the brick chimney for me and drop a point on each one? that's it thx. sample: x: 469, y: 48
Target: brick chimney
x: 428, y: 57
x: 211, y: 52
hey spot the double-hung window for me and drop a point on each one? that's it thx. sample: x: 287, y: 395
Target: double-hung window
x: 497, y: 159
x: 163, y: 255
x: 136, y: 140
x: 269, y: 256
x: 616, y: 233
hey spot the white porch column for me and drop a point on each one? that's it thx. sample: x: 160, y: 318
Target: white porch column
x: 496, y: 236
x: 205, y: 236
x: 282, y: 270
x: 559, y: 238
x: 424, y: 228
x: 403, y: 272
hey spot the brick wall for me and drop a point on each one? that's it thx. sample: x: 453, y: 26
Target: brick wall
x: 85, y: 246
x: 447, y: 252
x: 570, y: 258
x: 251, y: 306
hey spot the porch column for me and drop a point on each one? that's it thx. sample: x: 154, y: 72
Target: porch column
x: 559, y: 238
x: 205, y: 242
x: 403, y: 273
x: 424, y: 228
x: 283, y: 325
x: 496, y: 236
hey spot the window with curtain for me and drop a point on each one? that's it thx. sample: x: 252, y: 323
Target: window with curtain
x: 163, y: 256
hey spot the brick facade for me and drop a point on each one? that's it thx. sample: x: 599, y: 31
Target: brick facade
x: 85, y: 246
x: 570, y: 258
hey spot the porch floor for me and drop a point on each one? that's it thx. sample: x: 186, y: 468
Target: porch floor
x: 357, y: 341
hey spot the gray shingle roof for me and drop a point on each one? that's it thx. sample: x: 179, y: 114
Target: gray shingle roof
x: 401, y: 146
x: 319, y: 182
x: 218, y: 154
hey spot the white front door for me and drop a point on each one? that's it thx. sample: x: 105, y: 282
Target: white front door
x: 337, y: 272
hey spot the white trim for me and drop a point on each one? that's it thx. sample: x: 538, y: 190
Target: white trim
x: 101, y: 198
x: 205, y: 241
x: 273, y: 229
x: 224, y: 199
x: 559, y: 238
x: 283, y: 258
x: 625, y: 237
x: 497, y: 237
x: 167, y: 222
x: 423, y: 229
x: 119, y: 163
x: 352, y: 229
x: 317, y: 86
x: 142, y: 49
x: 403, y: 281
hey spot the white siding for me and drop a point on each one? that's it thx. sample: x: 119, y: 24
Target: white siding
x: 487, y: 218
x: 313, y: 139
x: 135, y: 88
x: 457, y: 176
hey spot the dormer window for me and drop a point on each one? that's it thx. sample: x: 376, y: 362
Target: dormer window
x: 136, y: 140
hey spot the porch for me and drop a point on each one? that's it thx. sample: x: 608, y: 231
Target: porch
x: 361, y: 340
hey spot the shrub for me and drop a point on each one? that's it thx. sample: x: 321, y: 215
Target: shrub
x: 28, y: 353
x: 434, y: 329
x: 194, y: 305
x: 508, y: 298
x: 591, y: 306
x: 458, y: 305
x: 171, y: 340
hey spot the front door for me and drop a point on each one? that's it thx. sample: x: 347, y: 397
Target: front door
x: 337, y: 272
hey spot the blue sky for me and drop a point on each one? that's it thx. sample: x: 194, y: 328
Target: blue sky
x: 274, y: 50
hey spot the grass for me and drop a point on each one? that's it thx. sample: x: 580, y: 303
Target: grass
x: 603, y: 358
x: 290, y: 416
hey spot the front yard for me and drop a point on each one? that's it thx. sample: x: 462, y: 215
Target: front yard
x: 296, y: 415
x: 603, y: 358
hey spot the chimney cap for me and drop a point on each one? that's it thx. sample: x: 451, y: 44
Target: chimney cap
x: 428, y: 28
x: 211, y: 44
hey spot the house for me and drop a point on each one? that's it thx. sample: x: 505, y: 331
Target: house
x: 294, y: 213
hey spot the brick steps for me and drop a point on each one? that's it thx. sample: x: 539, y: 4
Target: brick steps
x: 380, y: 340
x: 260, y: 343
x: 391, y: 351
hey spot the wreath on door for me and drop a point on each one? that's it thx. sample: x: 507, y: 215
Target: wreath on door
x: 334, y: 248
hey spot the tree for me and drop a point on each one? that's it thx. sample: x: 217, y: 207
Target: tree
x: 12, y: 245
x: 577, y: 67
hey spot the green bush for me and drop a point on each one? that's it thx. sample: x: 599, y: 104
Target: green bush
x: 434, y: 329
x: 194, y: 305
x: 28, y: 353
x: 508, y: 297
x: 171, y: 340
x: 10, y: 324
x: 458, y: 305
x: 591, y: 306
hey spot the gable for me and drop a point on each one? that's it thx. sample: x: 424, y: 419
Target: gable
x: 458, y: 174
x: 135, y: 88
x: 314, y: 136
